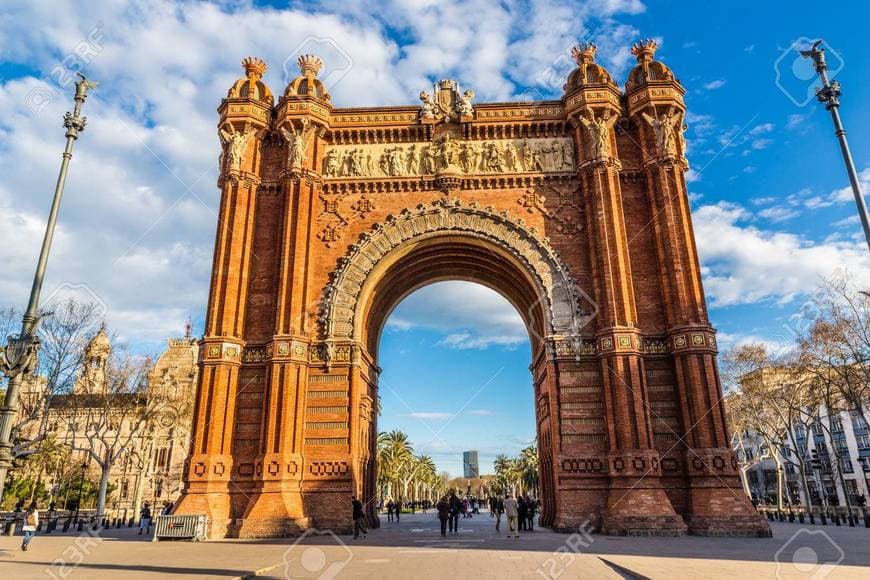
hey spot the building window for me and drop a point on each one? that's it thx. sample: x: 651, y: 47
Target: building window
x: 863, y: 441
x: 858, y: 420
x: 846, y: 465
x: 158, y: 488
x: 840, y: 445
x: 125, y: 489
x: 817, y: 429
x: 837, y: 424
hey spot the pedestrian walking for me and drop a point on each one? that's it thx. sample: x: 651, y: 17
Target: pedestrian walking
x: 455, y: 508
x: 145, y: 519
x: 359, y: 518
x: 443, y: 507
x: 531, y: 510
x: 522, y: 512
x: 497, y: 508
x: 390, y: 511
x: 31, y: 522
x: 512, y: 513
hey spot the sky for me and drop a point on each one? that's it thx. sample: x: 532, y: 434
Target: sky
x: 771, y: 207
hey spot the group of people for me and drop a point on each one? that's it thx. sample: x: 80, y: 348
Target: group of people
x: 520, y: 513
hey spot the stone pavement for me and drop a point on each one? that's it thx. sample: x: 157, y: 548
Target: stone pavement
x: 414, y: 549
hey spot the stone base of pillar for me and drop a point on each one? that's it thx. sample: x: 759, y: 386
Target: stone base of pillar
x: 743, y: 526
x: 717, y: 504
x: 272, y: 513
x: 214, y: 505
x: 641, y: 512
x: 723, y: 511
x: 256, y: 528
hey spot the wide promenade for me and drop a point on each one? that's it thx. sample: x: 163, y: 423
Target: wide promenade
x: 414, y: 548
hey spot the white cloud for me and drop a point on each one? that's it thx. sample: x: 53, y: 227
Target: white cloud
x: 743, y: 264
x: 796, y: 121
x: 431, y: 416
x: 761, y: 129
x: 778, y: 214
x: 845, y: 195
x: 465, y: 315
x: 713, y: 85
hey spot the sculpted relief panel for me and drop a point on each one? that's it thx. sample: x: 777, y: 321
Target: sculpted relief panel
x: 536, y: 155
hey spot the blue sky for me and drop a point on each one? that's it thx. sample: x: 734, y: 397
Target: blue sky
x: 136, y: 231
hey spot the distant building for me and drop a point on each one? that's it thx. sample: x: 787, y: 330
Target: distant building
x: 151, y: 469
x: 470, y: 464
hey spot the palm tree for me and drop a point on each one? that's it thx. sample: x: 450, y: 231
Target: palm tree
x: 394, y: 453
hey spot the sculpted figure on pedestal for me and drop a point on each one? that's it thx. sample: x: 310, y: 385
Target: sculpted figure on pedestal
x: 236, y: 142
x: 298, y: 140
x: 665, y: 128
x: 599, y: 129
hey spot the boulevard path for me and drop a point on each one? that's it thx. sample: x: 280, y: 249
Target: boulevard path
x: 414, y: 549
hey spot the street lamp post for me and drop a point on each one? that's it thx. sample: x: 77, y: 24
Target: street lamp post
x: 829, y: 95
x: 19, y: 355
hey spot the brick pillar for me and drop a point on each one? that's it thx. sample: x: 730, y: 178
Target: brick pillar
x: 636, y: 502
x: 716, y: 501
x: 244, y: 117
x: 207, y: 478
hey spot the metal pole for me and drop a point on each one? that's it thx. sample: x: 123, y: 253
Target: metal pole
x: 829, y: 94
x: 19, y: 355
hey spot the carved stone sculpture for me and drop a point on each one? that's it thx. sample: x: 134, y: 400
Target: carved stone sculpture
x: 599, y: 129
x: 235, y: 144
x: 665, y: 128
x: 464, y: 106
x: 298, y: 140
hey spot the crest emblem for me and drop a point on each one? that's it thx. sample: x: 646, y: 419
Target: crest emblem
x: 446, y: 103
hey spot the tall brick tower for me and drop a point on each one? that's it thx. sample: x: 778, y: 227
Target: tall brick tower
x: 576, y: 210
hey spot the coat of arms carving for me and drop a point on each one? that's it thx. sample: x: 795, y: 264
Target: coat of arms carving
x: 446, y: 103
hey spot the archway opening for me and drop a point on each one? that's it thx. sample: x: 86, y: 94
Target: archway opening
x: 456, y: 400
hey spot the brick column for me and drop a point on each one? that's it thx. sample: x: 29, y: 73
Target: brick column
x: 636, y: 502
x: 716, y: 503
x: 244, y: 117
x: 207, y: 477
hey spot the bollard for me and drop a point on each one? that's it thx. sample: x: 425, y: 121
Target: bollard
x: 801, y: 517
x: 130, y: 524
x: 866, y: 519
x: 837, y: 518
x: 770, y: 516
x: 781, y: 515
x: 66, y: 524
x: 81, y: 525
x: 791, y: 517
x: 824, y: 519
x: 851, y: 520
x: 812, y: 518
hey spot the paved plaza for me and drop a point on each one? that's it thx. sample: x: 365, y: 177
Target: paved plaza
x: 413, y: 548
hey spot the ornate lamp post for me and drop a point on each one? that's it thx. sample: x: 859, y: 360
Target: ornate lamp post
x: 829, y: 94
x: 19, y: 355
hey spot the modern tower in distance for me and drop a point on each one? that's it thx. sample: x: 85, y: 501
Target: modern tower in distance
x: 470, y: 466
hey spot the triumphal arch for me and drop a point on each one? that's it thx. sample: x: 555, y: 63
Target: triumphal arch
x: 575, y: 210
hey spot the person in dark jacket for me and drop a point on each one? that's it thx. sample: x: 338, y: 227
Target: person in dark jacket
x: 359, y: 518
x: 497, y: 508
x: 531, y: 510
x: 443, y: 507
x: 523, y: 510
x: 455, y: 508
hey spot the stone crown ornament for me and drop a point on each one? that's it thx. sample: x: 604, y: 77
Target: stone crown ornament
x: 251, y: 86
x: 308, y: 85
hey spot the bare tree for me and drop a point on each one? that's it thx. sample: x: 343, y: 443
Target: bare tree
x: 112, y: 416
x: 837, y: 343
x: 63, y: 333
